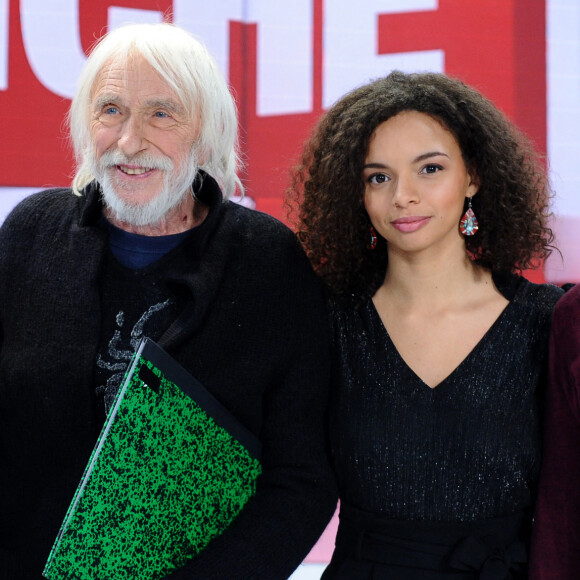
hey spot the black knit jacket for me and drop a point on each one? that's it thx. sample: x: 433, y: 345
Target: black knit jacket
x: 254, y: 333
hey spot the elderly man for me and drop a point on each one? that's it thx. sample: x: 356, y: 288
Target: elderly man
x: 144, y: 244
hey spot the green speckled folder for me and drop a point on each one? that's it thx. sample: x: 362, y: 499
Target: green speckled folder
x: 172, y: 468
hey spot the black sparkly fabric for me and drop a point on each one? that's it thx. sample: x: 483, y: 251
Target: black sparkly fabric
x: 466, y: 450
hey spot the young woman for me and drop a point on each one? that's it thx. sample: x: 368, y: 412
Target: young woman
x: 419, y: 203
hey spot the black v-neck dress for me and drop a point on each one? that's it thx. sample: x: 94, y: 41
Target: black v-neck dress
x: 424, y: 469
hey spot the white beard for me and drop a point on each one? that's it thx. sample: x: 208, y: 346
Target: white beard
x: 176, y: 185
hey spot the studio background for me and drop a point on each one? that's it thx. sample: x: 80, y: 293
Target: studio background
x: 286, y: 63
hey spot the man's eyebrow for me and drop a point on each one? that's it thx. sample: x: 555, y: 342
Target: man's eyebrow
x: 112, y: 99
x: 167, y: 104
x: 105, y: 99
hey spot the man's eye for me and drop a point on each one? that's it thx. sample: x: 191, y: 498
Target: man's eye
x: 110, y: 110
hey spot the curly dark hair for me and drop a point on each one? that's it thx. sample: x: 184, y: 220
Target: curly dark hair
x: 326, y: 195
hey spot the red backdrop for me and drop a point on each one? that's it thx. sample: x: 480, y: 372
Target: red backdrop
x: 496, y: 45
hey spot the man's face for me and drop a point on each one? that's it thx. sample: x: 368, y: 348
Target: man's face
x: 143, y: 142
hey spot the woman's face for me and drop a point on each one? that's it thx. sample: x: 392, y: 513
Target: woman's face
x: 416, y: 183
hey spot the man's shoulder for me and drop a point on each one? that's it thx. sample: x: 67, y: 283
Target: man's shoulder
x: 42, y: 205
x: 256, y: 229
x: 249, y: 218
x: 271, y: 247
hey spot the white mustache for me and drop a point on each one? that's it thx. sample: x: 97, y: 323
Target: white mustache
x: 113, y: 158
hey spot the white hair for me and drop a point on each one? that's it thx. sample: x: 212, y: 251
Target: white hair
x: 190, y: 71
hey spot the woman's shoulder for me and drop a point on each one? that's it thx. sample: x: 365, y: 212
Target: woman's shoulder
x: 532, y: 294
x: 531, y: 304
x: 546, y: 293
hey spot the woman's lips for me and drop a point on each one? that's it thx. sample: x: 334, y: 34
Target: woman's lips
x: 410, y: 223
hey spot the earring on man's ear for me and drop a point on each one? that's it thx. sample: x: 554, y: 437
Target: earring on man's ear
x: 373, y: 239
x: 468, y: 225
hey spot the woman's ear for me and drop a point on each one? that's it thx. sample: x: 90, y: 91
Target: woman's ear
x: 473, y: 186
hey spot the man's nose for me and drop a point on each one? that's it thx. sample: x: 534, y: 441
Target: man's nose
x: 132, y: 139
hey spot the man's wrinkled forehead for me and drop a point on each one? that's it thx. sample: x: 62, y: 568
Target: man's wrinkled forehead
x: 126, y: 74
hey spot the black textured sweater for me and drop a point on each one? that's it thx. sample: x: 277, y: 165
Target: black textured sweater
x: 252, y: 332
x: 466, y: 450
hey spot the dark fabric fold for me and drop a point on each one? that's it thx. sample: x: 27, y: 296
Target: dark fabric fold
x: 372, y: 547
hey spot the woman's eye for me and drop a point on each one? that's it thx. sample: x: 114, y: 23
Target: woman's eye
x: 378, y: 178
x: 431, y: 168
